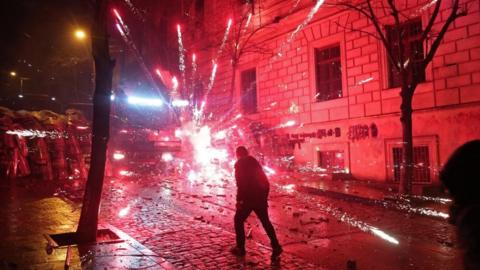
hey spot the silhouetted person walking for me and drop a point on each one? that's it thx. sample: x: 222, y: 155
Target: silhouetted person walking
x: 461, y: 176
x: 252, y: 195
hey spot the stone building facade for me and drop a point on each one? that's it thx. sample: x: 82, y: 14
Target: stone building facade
x: 336, y: 83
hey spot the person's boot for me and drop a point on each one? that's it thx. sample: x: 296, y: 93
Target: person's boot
x: 237, y: 251
x: 276, y: 251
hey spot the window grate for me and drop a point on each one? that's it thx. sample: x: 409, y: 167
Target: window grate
x: 421, y: 161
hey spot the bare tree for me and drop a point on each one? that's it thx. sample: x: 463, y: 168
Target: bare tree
x: 241, y: 43
x: 402, y: 60
x: 87, y: 226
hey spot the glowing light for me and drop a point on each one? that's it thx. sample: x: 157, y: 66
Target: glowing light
x: 117, y: 15
x: 224, y: 40
x: 289, y: 188
x: 269, y: 170
x: 432, y: 199
x: 365, y: 80
x: 220, y: 135
x: 167, y: 157
x: 13, y: 73
x: 82, y: 127
x: 212, y: 76
x: 194, y: 58
x: 249, y: 18
x: 112, y: 97
x: 384, y: 236
x: 125, y: 173
x: 289, y: 123
x: 174, y: 82
x: 80, y: 34
x: 192, y: 176
x: 118, y: 156
x: 53, y: 98
x: 238, y: 116
x: 20, y: 96
x: 209, y: 88
x: 153, y: 102
x: 124, y: 211
x: 159, y: 73
x: 36, y: 133
x: 178, y: 133
x: 180, y: 103
x: 119, y: 28
x: 210, y: 163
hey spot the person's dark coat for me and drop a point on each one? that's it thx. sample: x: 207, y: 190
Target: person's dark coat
x: 252, y: 183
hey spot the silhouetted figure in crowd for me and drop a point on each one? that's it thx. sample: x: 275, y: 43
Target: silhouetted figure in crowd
x: 252, y: 195
x: 461, y: 176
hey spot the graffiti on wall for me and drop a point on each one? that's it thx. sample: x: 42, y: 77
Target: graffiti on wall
x: 362, y: 131
x: 355, y: 133
x: 299, y: 138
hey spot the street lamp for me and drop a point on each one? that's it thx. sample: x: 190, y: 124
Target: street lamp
x: 14, y: 74
x: 80, y: 34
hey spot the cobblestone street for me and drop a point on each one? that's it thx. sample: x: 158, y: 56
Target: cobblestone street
x: 191, y: 225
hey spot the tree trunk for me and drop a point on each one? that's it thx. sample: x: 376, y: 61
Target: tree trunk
x: 406, y: 178
x: 87, y: 226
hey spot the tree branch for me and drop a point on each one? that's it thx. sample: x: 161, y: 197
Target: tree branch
x: 454, y: 14
x: 357, y: 30
x: 429, y: 26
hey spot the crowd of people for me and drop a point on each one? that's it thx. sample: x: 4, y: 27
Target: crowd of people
x: 43, y: 144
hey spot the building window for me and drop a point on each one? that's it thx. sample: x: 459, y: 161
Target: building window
x: 328, y: 73
x: 411, y: 33
x: 249, y: 91
x: 421, y: 161
x: 332, y: 161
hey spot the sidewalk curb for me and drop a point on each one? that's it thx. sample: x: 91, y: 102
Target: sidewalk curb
x: 363, y: 200
x: 340, y: 195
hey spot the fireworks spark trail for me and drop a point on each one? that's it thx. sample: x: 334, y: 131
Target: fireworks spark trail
x: 181, y: 55
x: 297, y: 30
x: 423, y: 9
x: 365, y: 81
x: 124, y: 211
x: 247, y: 23
x: 211, y: 81
x: 343, y: 216
x: 117, y: 15
x: 125, y: 34
x: 137, y: 12
x: 224, y: 39
x: 294, y: 6
x: 37, y: 133
x: 214, y: 70
x: 209, y: 163
x: 194, y: 65
x: 249, y: 18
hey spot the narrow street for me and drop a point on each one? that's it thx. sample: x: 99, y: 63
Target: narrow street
x: 191, y: 225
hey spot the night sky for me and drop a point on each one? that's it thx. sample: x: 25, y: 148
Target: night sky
x: 38, y: 44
